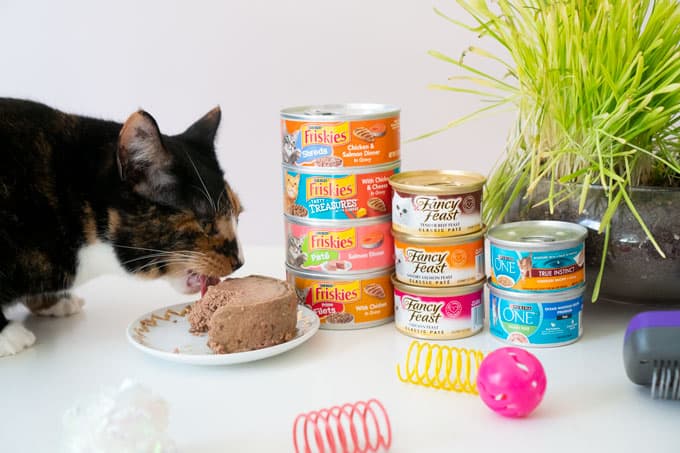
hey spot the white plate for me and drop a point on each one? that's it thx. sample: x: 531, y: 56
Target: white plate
x: 164, y: 333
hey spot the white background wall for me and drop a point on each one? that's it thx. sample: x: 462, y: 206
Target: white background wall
x: 178, y: 59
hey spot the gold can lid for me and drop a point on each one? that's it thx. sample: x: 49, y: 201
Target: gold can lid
x: 437, y: 182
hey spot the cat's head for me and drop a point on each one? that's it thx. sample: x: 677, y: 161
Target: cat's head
x: 292, y: 183
x: 178, y: 215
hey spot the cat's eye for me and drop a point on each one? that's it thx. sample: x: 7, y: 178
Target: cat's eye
x: 206, y: 225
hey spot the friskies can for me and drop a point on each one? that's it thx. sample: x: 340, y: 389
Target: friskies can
x: 322, y: 194
x: 340, y: 135
x: 336, y: 247
x: 346, y: 301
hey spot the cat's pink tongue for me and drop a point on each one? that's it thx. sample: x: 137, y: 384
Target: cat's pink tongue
x: 207, y: 281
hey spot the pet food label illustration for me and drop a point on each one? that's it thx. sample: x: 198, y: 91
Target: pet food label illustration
x: 439, y: 265
x: 337, y: 196
x: 340, y: 144
x: 340, y: 249
x: 526, y: 323
x: 438, y: 317
x: 550, y: 270
x: 437, y: 215
x: 346, y: 303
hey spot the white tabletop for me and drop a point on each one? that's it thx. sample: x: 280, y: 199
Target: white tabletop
x: 589, y: 404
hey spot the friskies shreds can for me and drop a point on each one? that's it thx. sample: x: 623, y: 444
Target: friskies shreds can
x: 340, y: 135
x: 437, y: 202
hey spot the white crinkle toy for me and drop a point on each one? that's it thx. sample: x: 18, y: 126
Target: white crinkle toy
x: 129, y: 419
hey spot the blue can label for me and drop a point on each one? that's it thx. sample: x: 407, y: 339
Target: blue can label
x: 550, y: 270
x: 539, y: 324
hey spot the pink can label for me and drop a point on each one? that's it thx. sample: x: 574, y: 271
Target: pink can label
x: 340, y: 248
x: 440, y: 316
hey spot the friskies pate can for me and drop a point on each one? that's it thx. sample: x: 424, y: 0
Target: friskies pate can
x: 336, y: 247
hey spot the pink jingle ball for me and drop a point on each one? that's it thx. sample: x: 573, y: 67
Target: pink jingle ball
x: 511, y: 381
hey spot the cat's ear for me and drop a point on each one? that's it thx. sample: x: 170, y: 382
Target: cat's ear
x: 143, y: 161
x: 204, y: 130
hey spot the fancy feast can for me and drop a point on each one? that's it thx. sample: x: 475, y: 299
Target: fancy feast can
x: 438, y: 313
x: 339, y: 247
x: 540, y: 255
x: 536, y: 319
x: 437, y: 203
x: 339, y: 194
x: 346, y: 301
x: 340, y: 135
x: 439, y: 261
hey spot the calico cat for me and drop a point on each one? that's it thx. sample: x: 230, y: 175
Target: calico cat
x: 292, y: 186
x: 158, y: 204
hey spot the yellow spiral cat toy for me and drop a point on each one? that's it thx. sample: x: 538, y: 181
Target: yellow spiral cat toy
x: 441, y: 367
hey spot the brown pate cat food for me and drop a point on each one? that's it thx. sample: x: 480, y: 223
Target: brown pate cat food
x: 243, y: 314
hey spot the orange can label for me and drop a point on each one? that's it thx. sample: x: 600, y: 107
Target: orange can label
x: 436, y: 264
x: 341, y: 144
x: 346, y: 303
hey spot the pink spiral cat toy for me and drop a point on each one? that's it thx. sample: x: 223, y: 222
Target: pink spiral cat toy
x: 360, y: 427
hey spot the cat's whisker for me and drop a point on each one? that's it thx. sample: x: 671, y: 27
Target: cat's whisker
x: 164, y: 263
x: 169, y: 252
x: 205, y: 188
x: 219, y: 199
x: 155, y: 255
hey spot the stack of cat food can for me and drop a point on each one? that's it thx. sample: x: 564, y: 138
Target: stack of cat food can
x: 439, y: 249
x: 537, y: 282
x: 337, y: 161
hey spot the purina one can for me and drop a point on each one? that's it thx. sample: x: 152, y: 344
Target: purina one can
x: 536, y: 319
x: 437, y: 202
x: 540, y: 256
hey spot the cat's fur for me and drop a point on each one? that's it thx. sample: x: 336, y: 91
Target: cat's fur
x: 159, y: 202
